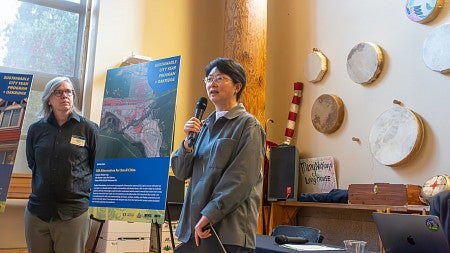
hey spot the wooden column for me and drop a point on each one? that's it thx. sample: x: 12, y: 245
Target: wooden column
x: 245, y: 42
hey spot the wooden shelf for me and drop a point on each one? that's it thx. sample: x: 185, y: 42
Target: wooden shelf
x: 284, y: 212
x: 405, y: 208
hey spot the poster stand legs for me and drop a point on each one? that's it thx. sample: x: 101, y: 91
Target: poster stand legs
x: 158, y: 236
x: 99, y: 231
x: 169, y: 220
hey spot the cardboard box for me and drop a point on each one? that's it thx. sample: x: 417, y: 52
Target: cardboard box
x: 166, y: 241
x: 414, y: 192
x: 123, y: 237
x: 114, y: 230
x: 123, y: 246
x: 384, y: 194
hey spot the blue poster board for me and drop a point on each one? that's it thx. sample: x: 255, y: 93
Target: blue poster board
x: 14, y: 90
x: 135, y: 140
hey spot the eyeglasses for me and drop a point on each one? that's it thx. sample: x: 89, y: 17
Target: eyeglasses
x: 217, y: 79
x: 59, y: 93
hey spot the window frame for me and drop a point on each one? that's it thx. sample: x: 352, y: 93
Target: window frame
x: 4, y: 155
x: 10, y: 109
x: 88, y: 11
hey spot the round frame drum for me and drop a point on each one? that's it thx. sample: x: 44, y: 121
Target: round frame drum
x: 327, y: 113
x: 364, y: 62
x: 316, y: 65
x: 433, y: 186
x: 423, y: 11
x: 396, y: 136
x: 436, y: 49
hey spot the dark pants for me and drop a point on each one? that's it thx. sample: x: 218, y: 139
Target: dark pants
x: 56, y: 236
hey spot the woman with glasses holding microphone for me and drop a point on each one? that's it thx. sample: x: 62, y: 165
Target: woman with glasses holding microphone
x: 60, y: 150
x: 221, y: 206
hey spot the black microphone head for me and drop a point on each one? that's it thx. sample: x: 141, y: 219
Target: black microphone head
x: 281, y: 239
x: 201, y: 103
x: 199, y: 110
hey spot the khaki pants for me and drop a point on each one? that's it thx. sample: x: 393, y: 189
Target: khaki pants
x: 56, y: 236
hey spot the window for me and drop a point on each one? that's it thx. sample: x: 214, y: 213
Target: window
x: 44, y: 38
x: 49, y: 38
x: 9, y: 118
x: 7, y: 156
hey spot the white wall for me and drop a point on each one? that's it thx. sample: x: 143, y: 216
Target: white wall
x: 194, y: 30
x: 159, y: 29
x: 295, y: 27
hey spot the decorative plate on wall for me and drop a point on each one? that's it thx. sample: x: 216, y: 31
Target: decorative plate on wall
x: 436, y: 49
x: 327, y: 113
x: 364, y: 62
x: 396, y: 136
x: 316, y: 65
x: 423, y: 11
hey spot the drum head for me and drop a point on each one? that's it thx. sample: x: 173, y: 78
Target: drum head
x: 396, y: 136
x: 364, y: 63
x: 327, y: 113
x: 316, y: 66
x: 423, y: 11
x: 436, y: 49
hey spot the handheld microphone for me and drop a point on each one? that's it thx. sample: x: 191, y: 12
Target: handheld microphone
x: 199, y: 110
x: 282, y: 239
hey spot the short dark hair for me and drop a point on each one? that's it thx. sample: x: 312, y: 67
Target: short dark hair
x: 231, y: 68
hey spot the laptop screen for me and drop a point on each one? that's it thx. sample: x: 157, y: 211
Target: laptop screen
x: 412, y: 233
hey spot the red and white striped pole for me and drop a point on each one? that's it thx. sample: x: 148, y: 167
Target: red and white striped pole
x: 292, y: 116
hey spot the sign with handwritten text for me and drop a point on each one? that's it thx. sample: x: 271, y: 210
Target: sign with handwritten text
x: 317, y: 175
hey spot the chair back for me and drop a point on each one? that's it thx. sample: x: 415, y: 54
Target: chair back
x: 310, y: 233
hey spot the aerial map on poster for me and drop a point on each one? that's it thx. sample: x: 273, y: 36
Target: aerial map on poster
x: 135, y: 140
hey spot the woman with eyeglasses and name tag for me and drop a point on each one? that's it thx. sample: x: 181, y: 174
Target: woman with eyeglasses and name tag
x: 223, y: 163
x: 60, y: 149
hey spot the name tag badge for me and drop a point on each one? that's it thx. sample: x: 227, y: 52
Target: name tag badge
x: 77, y: 140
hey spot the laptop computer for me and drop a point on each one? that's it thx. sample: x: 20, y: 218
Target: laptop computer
x: 411, y: 233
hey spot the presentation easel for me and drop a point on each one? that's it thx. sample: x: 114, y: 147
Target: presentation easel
x: 99, y: 231
x: 169, y: 220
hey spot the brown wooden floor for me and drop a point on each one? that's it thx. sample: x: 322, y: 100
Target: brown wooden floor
x: 24, y: 250
x: 13, y: 250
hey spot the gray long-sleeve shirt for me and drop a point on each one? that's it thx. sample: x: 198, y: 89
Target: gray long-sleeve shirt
x: 225, y: 177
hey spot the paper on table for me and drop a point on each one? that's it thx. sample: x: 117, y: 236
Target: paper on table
x: 309, y: 247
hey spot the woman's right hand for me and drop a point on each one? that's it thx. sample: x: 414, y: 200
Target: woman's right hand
x: 192, y: 125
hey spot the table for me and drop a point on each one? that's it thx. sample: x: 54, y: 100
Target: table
x: 267, y: 244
